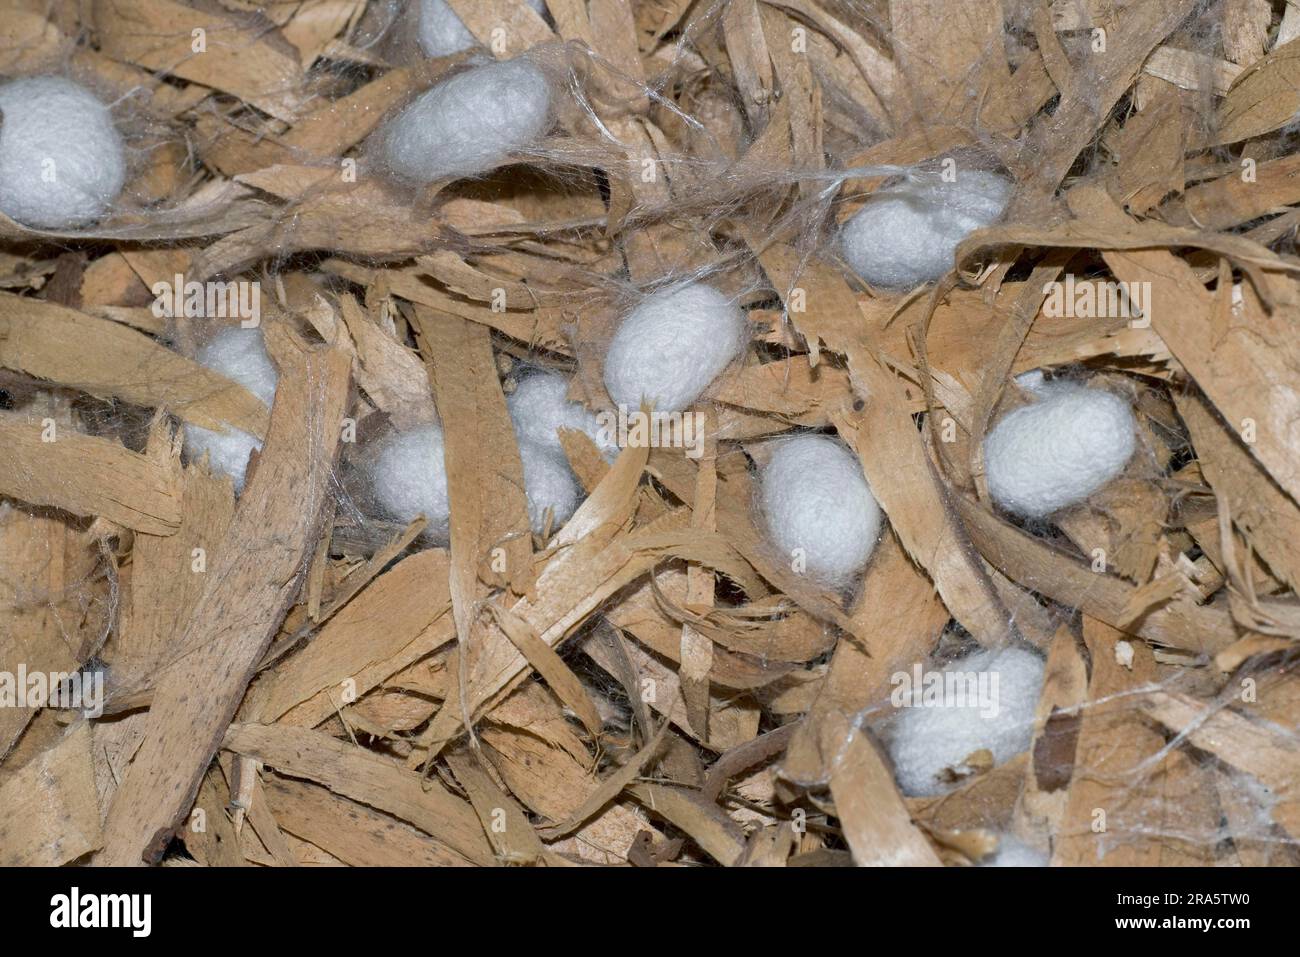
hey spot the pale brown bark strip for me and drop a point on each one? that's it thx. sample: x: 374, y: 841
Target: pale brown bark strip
x: 251, y: 583
x: 86, y: 475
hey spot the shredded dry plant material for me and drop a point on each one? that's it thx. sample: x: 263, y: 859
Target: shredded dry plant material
x: 286, y: 675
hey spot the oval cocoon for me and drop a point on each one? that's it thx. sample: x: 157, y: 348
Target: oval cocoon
x: 468, y: 124
x: 62, y: 162
x: 239, y: 355
x: 549, y: 483
x: 672, y: 346
x: 905, y: 235
x: 539, y: 408
x: 928, y: 736
x: 818, y: 509
x: 1058, y: 451
x: 409, y: 479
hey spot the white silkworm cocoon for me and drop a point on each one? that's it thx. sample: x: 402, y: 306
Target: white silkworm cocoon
x: 549, y: 484
x: 62, y: 160
x: 818, y: 509
x: 985, y: 701
x: 539, y: 408
x: 240, y: 355
x: 672, y: 346
x: 905, y: 235
x: 409, y: 478
x: 1059, y: 450
x: 468, y: 124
